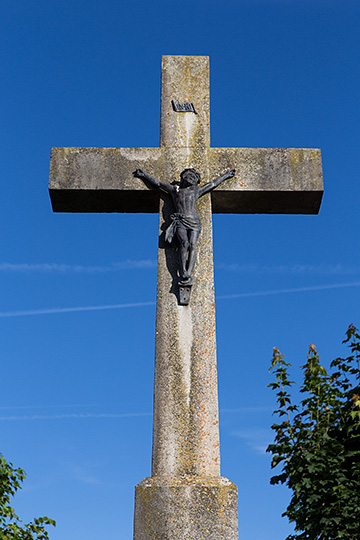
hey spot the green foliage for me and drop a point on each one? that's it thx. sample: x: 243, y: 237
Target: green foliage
x: 11, y: 527
x: 317, y: 444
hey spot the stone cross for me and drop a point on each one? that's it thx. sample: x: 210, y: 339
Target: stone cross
x: 186, y: 498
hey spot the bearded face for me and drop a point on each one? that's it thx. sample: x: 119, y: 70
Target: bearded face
x: 189, y: 177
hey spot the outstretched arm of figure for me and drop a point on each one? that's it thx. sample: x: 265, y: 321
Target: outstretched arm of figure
x: 139, y: 173
x: 212, y: 185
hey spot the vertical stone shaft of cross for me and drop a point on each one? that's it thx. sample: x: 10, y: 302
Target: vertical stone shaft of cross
x: 185, y: 498
x: 186, y: 429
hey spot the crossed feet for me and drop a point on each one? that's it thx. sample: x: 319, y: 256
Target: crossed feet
x: 186, y: 281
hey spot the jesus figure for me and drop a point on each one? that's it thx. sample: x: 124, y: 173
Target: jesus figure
x: 185, y: 222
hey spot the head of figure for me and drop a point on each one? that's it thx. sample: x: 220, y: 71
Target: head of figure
x: 189, y: 177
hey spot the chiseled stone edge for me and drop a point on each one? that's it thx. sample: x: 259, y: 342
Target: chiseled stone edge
x: 278, y: 180
x: 187, y: 508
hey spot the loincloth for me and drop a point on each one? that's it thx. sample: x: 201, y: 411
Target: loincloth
x: 180, y: 221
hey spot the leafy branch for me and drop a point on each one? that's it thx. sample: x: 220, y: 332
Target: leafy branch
x: 317, y: 444
x: 11, y: 527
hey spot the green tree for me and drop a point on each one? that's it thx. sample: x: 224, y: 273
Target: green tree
x: 11, y: 527
x: 317, y: 444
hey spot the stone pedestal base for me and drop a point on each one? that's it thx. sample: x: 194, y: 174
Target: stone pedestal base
x: 189, y: 508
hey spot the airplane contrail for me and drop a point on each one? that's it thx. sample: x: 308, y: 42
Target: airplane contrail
x: 77, y: 268
x: 51, y: 311
x: 286, y: 291
x: 91, y: 416
x: 76, y: 416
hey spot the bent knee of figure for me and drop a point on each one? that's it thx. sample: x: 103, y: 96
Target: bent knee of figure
x: 183, y: 239
x: 192, y: 244
x: 184, y: 243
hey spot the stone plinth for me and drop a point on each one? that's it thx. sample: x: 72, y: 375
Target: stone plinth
x: 191, y: 508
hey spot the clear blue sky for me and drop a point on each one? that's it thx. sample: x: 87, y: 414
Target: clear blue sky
x: 76, y: 386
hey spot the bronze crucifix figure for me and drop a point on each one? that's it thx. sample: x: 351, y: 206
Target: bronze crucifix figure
x: 185, y: 222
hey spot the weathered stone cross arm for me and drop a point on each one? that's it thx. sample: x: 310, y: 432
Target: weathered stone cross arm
x: 267, y: 180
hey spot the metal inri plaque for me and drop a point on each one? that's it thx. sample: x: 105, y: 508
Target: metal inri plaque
x: 183, y: 107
